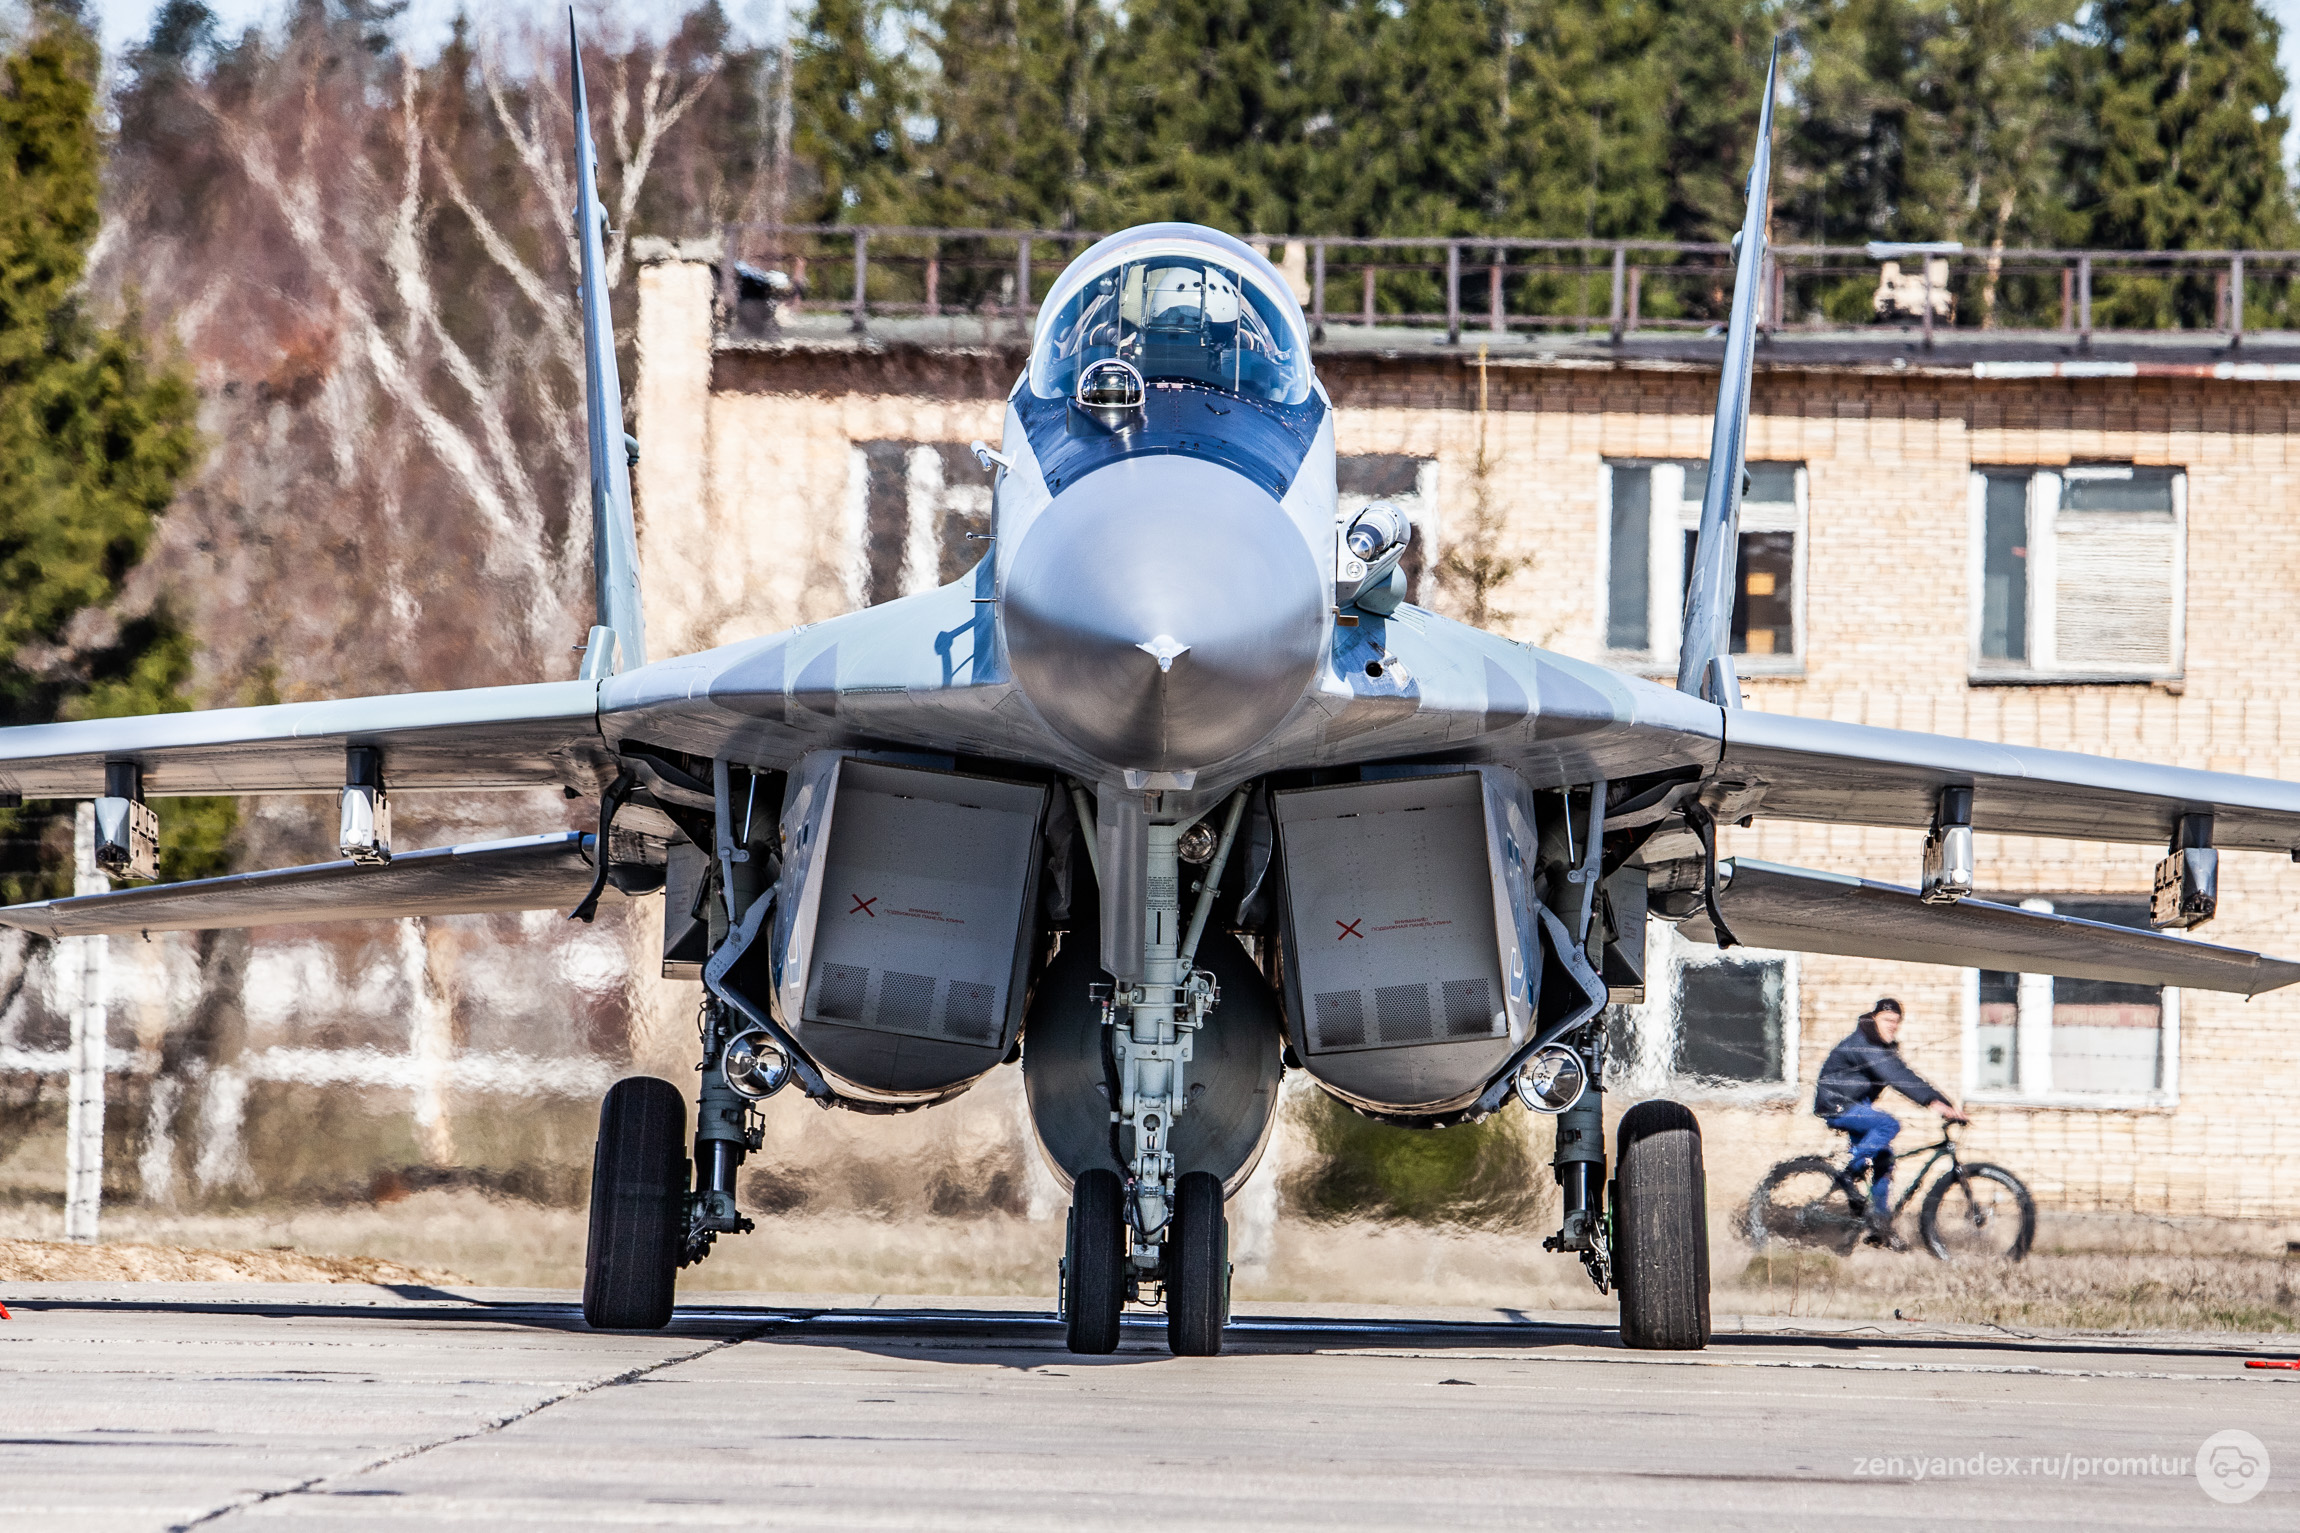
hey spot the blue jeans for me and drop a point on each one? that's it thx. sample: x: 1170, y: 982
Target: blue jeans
x: 1873, y: 1132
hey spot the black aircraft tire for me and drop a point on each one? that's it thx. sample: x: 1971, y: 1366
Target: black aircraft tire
x: 1197, y: 1268
x: 1661, y: 1230
x: 1095, y: 1279
x: 638, y: 1206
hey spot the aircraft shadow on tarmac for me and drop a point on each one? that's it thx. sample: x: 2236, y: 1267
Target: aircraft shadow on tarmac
x: 1142, y: 1339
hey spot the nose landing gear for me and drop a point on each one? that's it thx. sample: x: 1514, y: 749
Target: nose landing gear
x: 1193, y: 1265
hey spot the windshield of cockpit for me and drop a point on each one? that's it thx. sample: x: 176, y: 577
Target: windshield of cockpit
x: 1183, y: 318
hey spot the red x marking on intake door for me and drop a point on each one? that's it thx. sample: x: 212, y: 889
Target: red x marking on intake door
x: 1350, y: 929
x: 863, y: 906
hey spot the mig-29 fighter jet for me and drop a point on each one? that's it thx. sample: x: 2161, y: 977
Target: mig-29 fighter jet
x: 1172, y: 793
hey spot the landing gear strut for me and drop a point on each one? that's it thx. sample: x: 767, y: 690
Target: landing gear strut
x: 1157, y: 1224
x: 726, y: 1131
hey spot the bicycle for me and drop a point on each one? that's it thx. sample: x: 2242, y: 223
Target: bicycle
x: 1973, y: 1212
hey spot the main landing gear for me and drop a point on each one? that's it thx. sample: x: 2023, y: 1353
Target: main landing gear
x: 638, y: 1206
x: 645, y: 1222
x: 1661, y: 1230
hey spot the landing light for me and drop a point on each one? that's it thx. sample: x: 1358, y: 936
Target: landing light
x: 753, y: 1065
x: 1553, y: 1080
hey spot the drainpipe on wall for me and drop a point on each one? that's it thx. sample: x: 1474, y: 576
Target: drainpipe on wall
x: 81, y: 963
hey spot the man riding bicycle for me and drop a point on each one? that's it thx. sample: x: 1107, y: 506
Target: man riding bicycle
x: 1854, y: 1075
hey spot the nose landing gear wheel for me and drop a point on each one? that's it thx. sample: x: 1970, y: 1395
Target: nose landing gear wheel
x: 638, y: 1206
x: 1661, y: 1230
x: 1197, y: 1268
x: 1094, y: 1267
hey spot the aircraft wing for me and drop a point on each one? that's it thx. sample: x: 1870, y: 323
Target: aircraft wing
x: 1818, y: 769
x: 547, y: 872
x: 540, y: 734
x: 1767, y: 905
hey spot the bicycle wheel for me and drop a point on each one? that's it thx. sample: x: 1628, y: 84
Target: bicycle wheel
x: 1979, y: 1212
x: 1801, y: 1203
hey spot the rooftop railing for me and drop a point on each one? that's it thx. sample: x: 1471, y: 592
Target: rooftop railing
x: 1498, y: 287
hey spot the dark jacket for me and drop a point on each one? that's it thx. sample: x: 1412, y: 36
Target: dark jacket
x: 1859, y: 1069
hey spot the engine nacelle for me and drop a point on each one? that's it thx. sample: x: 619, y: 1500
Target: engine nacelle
x: 903, y: 920
x: 1411, y: 938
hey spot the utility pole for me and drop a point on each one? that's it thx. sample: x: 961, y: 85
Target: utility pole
x: 81, y: 965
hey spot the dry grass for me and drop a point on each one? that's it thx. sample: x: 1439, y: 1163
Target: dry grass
x: 2053, y: 1290
x: 2099, y: 1274
x: 54, y: 1261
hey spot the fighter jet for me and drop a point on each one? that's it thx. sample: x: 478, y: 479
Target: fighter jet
x: 1173, y: 793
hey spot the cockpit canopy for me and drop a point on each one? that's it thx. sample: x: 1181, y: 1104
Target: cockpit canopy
x: 1176, y: 302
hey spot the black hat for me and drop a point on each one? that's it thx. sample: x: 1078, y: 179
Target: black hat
x: 1884, y: 1003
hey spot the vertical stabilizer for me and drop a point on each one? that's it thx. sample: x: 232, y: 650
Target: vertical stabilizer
x: 1705, y: 654
x: 614, y: 532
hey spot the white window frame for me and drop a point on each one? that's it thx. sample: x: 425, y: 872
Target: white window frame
x: 1672, y: 516
x: 2043, y: 664
x: 2036, y: 1088
x: 1654, y: 1026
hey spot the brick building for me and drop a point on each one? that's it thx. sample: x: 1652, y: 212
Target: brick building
x: 2025, y: 544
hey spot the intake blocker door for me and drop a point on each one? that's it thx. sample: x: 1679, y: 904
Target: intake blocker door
x: 1409, y: 933
x: 910, y: 894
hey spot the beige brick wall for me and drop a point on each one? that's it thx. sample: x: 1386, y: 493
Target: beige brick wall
x: 762, y: 505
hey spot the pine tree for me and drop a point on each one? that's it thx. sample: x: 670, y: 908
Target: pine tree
x: 1211, y: 106
x: 2186, y: 99
x: 1017, y: 114
x: 1993, y: 124
x: 1414, y: 102
x: 94, y: 439
x: 854, y: 93
x: 1707, y: 87
x: 2190, y: 104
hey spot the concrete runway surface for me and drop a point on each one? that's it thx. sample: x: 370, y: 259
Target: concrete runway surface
x: 126, y: 1406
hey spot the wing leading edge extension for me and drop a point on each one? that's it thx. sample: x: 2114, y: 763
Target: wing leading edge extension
x: 526, y: 873
x: 1803, y: 911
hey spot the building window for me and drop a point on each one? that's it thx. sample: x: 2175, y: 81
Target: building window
x: 910, y: 506
x: 2078, y: 1042
x: 1653, y: 518
x: 1407, y: 482
x: 2079, y: 573
x: 1720, y: 1021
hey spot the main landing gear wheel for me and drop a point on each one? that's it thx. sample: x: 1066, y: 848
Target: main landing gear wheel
x: 638, y: 1206
x: 1197, y: 1268
x: 1661, y: 1230
x: 1094, y: 1267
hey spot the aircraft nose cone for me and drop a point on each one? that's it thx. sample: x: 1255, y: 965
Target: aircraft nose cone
x: 1163, y: 614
